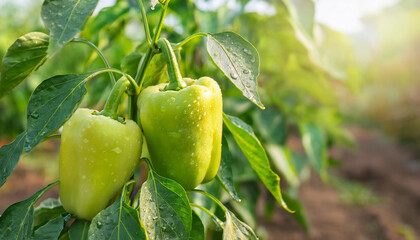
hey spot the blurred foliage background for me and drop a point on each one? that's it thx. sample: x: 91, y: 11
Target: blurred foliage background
x: 314, y: 80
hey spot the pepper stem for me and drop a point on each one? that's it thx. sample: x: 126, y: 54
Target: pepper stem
x: 175, y: 79
x: 113, y: 101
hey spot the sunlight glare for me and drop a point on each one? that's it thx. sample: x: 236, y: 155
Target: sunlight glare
x: 346, y: 15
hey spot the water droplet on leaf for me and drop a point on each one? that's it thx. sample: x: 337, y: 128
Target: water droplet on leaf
x: 35, y: 115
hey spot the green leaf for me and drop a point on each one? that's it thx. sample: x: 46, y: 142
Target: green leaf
x: 118, y: 221
x: 155, y: 70
x: 215, y: 190
x: 47, y: 210
x: 52, y: 103
x: 79, y: 230
x: 25, y: 56
x: 50, y: 230
x: 164, y: 208
x: 17, y: 221
x: 63, y: 20
x: 282, y: 160
x: 238, y: 60
x: 271, y: 125
x: 197, y: 229
x: 107, y: 16
x: 236, y: 229
x: 224, y: 174
x: 9, y: 157
x: 130, y: 63
x: 65, y: 236
x: 314, y: 143
x: 255, y: 153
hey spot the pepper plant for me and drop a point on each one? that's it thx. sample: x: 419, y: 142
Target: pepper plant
x: 183, y: 143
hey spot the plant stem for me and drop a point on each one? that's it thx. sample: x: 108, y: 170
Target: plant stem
x: 185, y: 41
x: 151, y: 50
x: 51, y: 137
x: 160, y: 24
x: 134, y: 86
x: 221, y: 224
x: 147, y: 57
x: 175, y: 78
x: 114, y: 98
x: 145, y: 60
x: 89, y: 43
x: 145, y: 22
x: 129, y: 78
x: 211, y: 197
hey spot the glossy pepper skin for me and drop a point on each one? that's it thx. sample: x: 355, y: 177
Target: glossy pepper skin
x: 183, y: 130
x: 97, y: 156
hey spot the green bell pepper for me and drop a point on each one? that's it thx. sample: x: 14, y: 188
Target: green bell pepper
x: 183, y: 130
x: 98, y: 155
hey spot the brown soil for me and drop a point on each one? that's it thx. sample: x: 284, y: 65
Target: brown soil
x: 23, y: 184
x: 389, y: 170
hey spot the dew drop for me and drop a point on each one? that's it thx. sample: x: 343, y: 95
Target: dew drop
x: 247, y: 51
x: 246, y: 71
x: 117, y: 150
x: 234, y: 75
x: 99, y: 224
x: 35, y: 115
